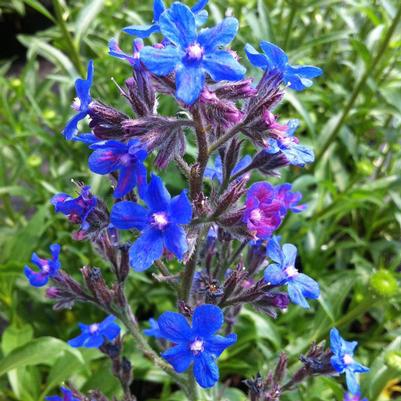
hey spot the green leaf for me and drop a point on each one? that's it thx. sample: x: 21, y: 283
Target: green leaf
x: 40, y: 8
x: 64, y: 367
x: 40, y: 351
x: 86, y: 16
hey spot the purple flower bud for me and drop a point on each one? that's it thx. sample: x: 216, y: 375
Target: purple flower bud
x: 106, y: 121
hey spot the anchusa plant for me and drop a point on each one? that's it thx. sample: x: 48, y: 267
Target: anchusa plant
x: 221, y: 229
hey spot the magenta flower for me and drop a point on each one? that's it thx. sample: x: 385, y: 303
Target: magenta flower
x: 266, y: 207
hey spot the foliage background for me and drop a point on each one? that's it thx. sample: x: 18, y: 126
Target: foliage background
x: 349, y: 238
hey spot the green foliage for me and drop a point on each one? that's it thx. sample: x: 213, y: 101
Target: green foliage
x: 351, y: 231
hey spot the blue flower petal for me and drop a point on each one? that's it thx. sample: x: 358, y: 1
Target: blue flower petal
x: 142, y: 31
x: 154, y: 330
x: 87, y: 138
x: 201, y: 18
x: 176, y: 240
x: 125, y: 215
x: 222, y: 66
x: 352, y: 382
x: 156, y: 195
x: 299, y: 155
x: 244, y: 162
x: 181, y: 209
x: 296, y: 296
x: 55, y: 250
x: 174, y: 327
x: 358, y: 367
x: 126, y: 181
x: 207, y: 319
x: 94, y: 341
x: 274, y: 251
x: 78, y: 341
x: 71, y: 129
x: 337, y: 363
x: 158, y: 8
x: 277, y: 58
x: 179, y: 357
x: 104, y: 161
x: 220, y: 35
x: 257, y: 59
x: 274, y: 275
x: 305, y: 71
x: 335, y: 341
x: 199, y: 5
x: 348, y: 347
x: 308, y: 286
x: 36, y: 279
x: 190, y: 81
x: 82, y: 87
x: 206, y: 371
x: 111, y: 331
x: 290, y: 254
x: 177, y: 24
x: 146, y: 249
x: 217, y: 344
x: 160, y: 61
x: 296, y: 82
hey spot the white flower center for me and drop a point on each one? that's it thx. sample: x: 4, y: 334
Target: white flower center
x: 93, y: 328
x: 256, y: 215
x: 197, y: 346
x: 195, y: 52
x: 159, y: 219
x: 291, y: 271
x: 348, y: 359
x: 76, y: 104
x: 45, y: 268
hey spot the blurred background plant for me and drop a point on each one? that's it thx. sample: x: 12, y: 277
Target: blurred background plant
x: 349, y: 239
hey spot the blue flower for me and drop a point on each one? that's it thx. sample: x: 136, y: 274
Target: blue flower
x: 87, y: 138
x: 77, y: 209
x: 192, y: 55
x: 353, y: 397
x: 297, y: 77
x: 216, y: 172
x: 128, y: 158
x: 143, y: 31
x: 95, y: 334
x: 154, y: 330
x: 160, y: 223
x: 48, y: 268
x: 134, y: 60
x: 67, y: 396
x: 197, y: 344
x: 283, y: 271
x: 284, y: 141
x: 343, y: 360
x: 81, y: 103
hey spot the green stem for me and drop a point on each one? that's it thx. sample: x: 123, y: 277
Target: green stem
x: 130, y: 322
x: 190, y: 268
x: 192, y: 387
x: 74, y: 54
x: 357, y: 89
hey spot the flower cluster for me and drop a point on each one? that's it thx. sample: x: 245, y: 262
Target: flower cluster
x: 220, y: 230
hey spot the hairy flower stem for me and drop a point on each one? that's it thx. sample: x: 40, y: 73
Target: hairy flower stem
x: 224, y: 138
x: 193, y: 387
x: 359, y: 86
x: 190, y: 268
x: 198, y: 169
x: 126, y: 315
